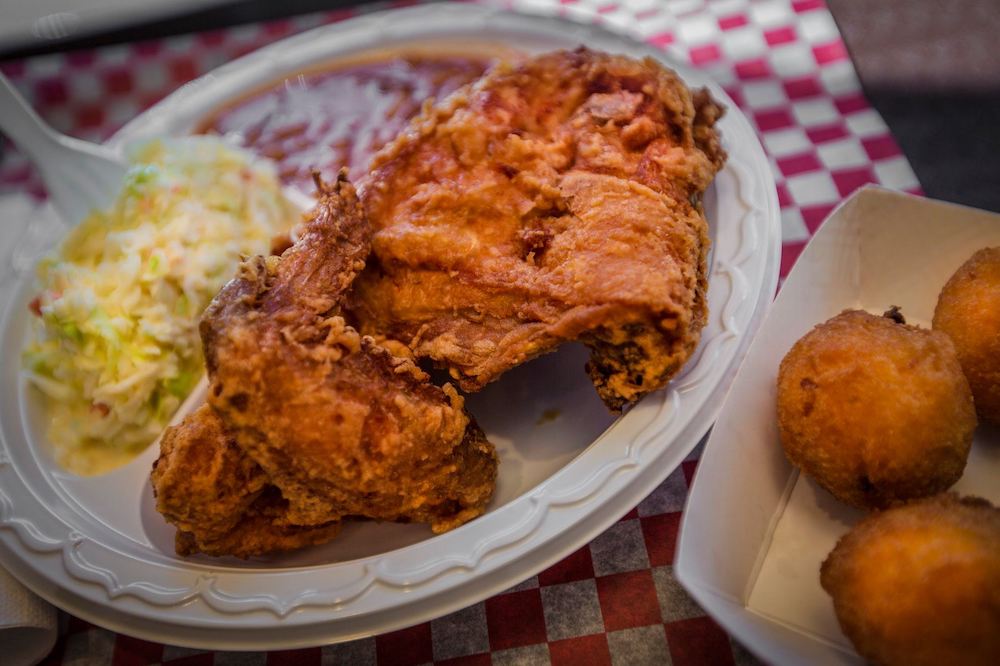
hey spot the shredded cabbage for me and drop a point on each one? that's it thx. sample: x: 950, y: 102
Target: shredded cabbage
x: 115, y: 346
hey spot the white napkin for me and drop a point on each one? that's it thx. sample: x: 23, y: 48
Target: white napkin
x: 28, y: 625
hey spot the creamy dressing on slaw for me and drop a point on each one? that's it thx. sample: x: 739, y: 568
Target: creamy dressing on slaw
x: 115, y: 346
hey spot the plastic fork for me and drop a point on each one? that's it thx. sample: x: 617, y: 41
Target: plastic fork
x: 79, y: 176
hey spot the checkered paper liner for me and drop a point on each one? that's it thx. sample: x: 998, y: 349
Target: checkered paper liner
x: 615, y: 601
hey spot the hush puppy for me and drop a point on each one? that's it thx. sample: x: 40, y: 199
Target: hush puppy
x: 968, y: 310
x: 876, y: 411
x: 920, y: 584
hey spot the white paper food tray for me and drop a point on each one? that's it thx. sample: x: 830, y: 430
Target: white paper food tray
x: 755, y: 532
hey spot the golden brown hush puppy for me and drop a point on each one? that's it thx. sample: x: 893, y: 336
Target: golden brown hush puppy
x: 877, y: 412
x: 920, y: 584
x: 968, y: 310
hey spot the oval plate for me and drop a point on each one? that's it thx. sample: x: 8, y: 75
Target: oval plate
x: 97, y: 548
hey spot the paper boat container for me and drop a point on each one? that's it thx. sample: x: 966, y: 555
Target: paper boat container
x: 755, y: 531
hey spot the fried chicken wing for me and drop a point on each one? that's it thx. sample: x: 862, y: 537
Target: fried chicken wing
x: 309, y: 422
x: 554, y: 200
x: 221, y: 501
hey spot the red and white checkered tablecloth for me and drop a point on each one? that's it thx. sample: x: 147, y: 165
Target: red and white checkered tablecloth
x: 614, y: 601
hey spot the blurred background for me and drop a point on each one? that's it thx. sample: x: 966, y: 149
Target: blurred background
x: 930, y: 68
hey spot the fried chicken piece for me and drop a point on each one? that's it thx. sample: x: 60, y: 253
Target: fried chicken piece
x: 920, y: 584
x: 308, y: 422
x: 554, y: 200
x: 221, y: 500
x: 339, y: 425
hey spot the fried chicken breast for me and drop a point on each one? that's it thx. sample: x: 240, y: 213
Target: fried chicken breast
x: 554, y: 200
x: 309, y: 422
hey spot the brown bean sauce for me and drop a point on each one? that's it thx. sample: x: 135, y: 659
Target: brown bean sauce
x: 339, y: 117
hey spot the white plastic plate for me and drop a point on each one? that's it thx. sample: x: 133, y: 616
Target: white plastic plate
x: 97, y: 548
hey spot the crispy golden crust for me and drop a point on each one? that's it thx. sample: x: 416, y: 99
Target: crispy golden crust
x: 920, y: 584
x: 875, y: 411
x: 968, y: 310
x: 554, y: 200
x: 309, y: 422
x: 219, y: 499
x: 339, y: 424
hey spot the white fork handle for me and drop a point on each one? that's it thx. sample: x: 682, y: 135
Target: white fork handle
x: 22, y: 125
x: 79, y: 175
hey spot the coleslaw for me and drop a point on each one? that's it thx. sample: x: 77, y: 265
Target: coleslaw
x: 115, y: 345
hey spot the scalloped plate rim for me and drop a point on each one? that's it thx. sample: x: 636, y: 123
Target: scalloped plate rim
x: 511, y: 570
